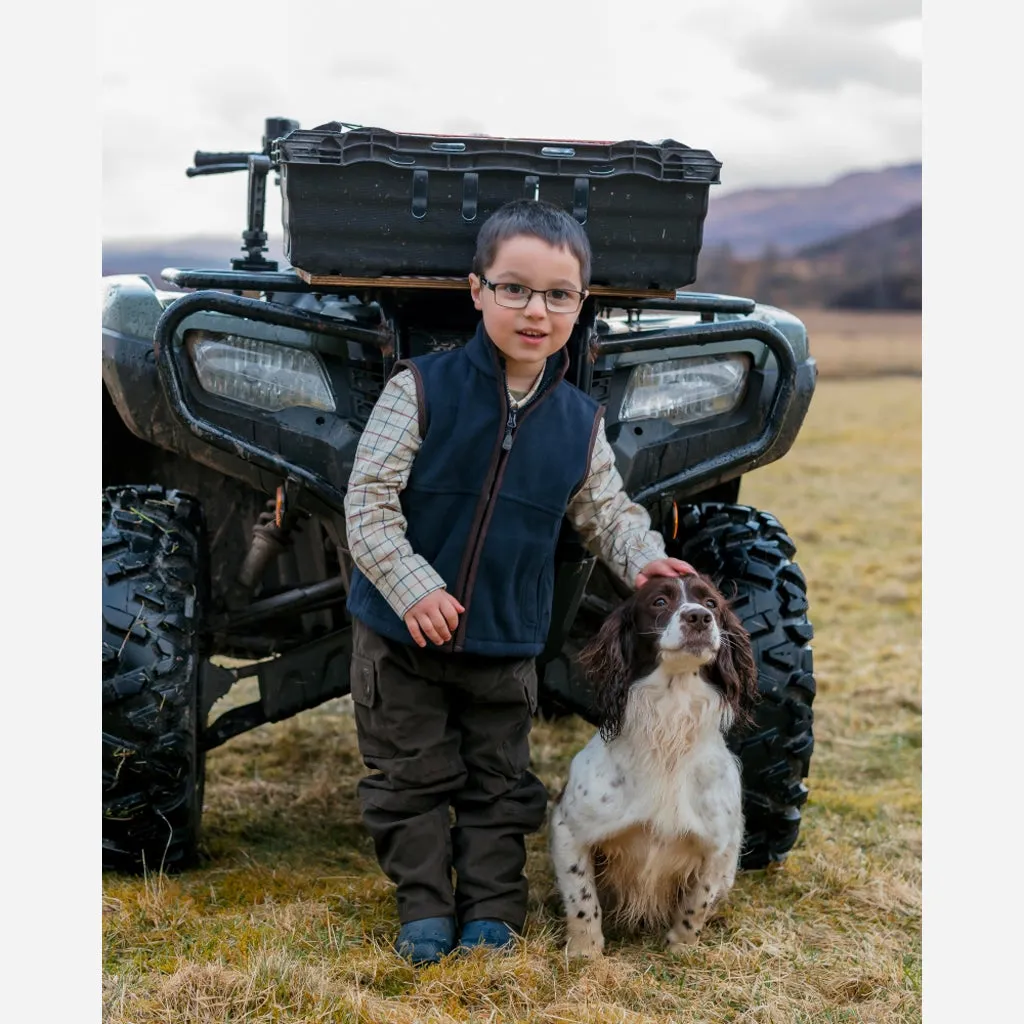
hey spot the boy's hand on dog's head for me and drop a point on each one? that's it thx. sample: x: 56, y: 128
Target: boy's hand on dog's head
x: 434, y: 617
x: 663, y: 567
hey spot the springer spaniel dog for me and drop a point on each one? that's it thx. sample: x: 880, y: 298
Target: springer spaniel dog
x: 651, y: 817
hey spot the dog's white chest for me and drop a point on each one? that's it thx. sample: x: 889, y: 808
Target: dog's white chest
x: 701, y: 798
x: 691, y: 791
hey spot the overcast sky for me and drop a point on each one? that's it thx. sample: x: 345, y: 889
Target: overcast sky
x: 781, y: 91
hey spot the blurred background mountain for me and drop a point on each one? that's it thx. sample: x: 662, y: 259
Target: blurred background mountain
x: 853, y: 243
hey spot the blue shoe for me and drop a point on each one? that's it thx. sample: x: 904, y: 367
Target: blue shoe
x: 427, y: 940
x: 487, y: 932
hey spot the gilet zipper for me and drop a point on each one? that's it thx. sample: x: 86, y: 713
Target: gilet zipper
x: 511, y: 422
x: 510, y: 426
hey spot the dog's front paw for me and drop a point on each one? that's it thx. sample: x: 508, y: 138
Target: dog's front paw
x: 589, y: 946
x: 679, y: 940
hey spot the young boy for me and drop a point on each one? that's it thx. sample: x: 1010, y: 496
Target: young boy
x: 467, y: 465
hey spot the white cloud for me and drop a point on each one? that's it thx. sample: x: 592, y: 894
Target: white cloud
x: 859, y: 12
x: 905, y: 38
x: 825, y: 59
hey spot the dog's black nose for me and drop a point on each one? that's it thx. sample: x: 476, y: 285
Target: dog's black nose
x: 699, y: 618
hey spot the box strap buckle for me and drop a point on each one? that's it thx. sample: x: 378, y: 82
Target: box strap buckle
x: 470, y: 191
x: 419, y: 194
x: 580, y: 199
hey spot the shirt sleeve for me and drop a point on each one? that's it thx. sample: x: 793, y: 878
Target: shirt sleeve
x: 374, y: 522
x: 613, y: 527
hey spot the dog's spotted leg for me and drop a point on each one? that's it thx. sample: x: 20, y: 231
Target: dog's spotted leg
x: 574, y: 875
x: 712, y: 882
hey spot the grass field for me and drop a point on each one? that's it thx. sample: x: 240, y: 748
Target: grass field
x: 291, y: 920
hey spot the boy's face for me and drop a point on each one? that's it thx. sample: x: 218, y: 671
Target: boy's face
x: 526, y: 337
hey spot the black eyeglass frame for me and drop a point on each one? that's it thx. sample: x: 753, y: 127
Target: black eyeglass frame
x: 530, y: 292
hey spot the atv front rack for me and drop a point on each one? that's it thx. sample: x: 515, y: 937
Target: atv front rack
x: 331, y: 497
x: 297, y: 280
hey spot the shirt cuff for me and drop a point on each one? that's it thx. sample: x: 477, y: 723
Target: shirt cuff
x: 648, y: 549
x: 402, y: 583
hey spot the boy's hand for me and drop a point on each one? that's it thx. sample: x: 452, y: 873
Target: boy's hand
x: 435, y: 616
x: 663, y: 567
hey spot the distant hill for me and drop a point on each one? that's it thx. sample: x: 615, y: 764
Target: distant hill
x: 877, y: 267
x: 789, y: 219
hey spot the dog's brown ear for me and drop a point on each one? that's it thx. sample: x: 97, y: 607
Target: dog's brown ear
x: 607, y: 662
x: 734, y: 670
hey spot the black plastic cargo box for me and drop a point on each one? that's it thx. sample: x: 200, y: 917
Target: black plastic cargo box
x: 365, y: 202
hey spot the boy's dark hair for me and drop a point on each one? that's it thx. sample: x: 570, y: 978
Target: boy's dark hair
x: 532, y: 217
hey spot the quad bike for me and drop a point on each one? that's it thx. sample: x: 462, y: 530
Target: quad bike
x: 231, y: 413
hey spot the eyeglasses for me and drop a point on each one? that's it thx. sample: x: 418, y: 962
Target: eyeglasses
x: 518, y: 296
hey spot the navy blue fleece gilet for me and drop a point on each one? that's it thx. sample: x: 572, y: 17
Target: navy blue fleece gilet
x: 485, y: 518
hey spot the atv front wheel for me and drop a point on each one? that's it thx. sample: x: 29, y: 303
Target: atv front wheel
x: 154, y: 596
x: 748, y: 553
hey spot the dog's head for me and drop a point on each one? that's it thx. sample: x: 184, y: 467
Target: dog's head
x: 681, y: 622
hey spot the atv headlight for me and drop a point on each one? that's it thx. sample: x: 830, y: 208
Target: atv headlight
x: 258, y: 373
x: 685, y: 390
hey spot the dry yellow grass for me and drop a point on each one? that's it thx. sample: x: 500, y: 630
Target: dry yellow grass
x: 291, y: 919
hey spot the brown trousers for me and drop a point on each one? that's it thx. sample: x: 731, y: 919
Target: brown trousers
x: 447, y: 733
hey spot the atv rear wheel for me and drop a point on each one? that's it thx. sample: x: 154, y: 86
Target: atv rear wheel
x: 155, y: 587
x: 748, y: 553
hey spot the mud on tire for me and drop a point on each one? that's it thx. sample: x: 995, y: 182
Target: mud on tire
x: 154, y: 596
x: 749, y: 553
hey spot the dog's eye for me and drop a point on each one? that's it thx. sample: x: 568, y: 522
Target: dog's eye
x: 711, y: 603
x: 660, y: 602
